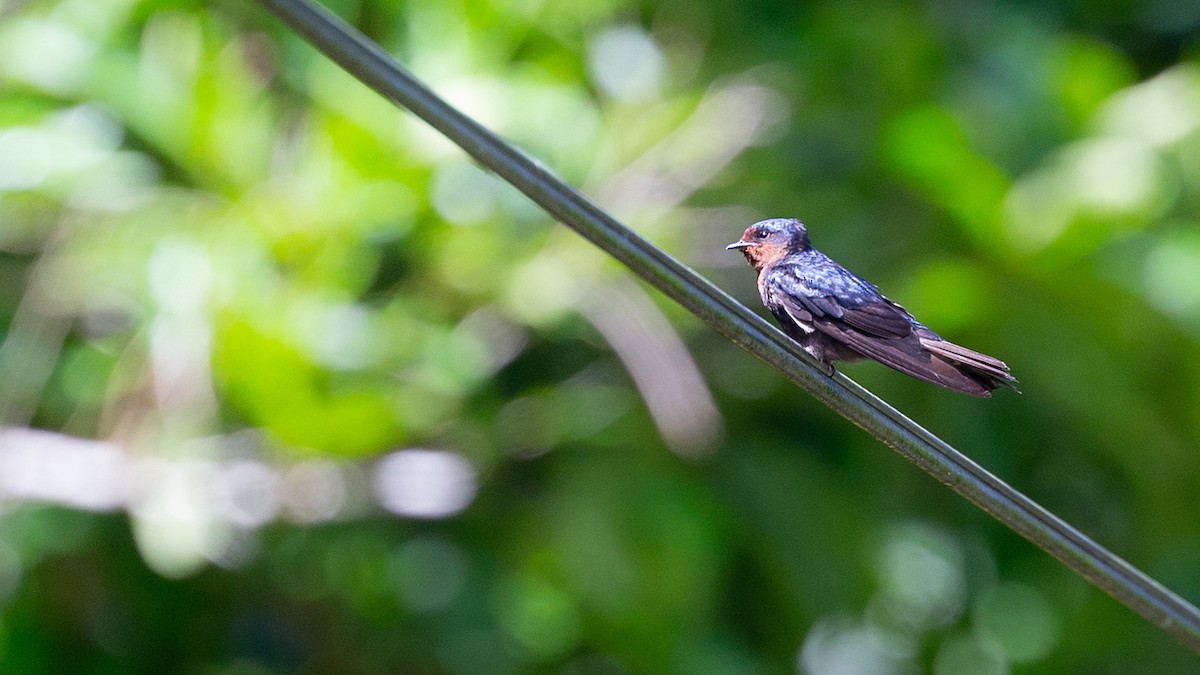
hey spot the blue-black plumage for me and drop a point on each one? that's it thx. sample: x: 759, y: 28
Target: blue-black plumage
x: 837, y: 315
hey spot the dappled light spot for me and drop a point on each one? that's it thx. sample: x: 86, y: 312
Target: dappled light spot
x: 1160, y: 111
x: 241, y: 491
x: 841, y: 648
x: 729, y: 119
x: 503, y: 339
x: 246, y: 493
x: 180, y: 275
x: 47, y: 467
x: 921, y: 577
x: 463, y: 194
x: 626, y: 64
x: 1172, y: 277
x: 338, y: 335
x: 314, y: 491
x: 1019, y: 620
x: 174, y: 525
x: 25, y: 161
x: 69, y: 142
x: 425, y: 483
x: 1123, y: 177
x: 46, y: 54
x: 927, y: 596
x: 1112, y: 175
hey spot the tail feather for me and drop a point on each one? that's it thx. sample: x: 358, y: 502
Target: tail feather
x: 988, y: 371
x: 912, y: 357
x: 923, y: 355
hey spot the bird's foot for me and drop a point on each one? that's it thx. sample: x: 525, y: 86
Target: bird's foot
x: 825, y: 366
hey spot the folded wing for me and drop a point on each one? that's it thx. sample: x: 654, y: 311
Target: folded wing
x: 853, y: 313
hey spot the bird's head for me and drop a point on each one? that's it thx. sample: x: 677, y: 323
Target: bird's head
x: 769, y: 240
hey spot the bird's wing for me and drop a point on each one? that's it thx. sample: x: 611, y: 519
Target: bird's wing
x: 825, y: 297
x: 911, y: 357
x: 828, y: 293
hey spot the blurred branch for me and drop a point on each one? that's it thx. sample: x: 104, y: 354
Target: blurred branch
x: 29, y: 351
x: 659, y: 363
x: 375, y: 67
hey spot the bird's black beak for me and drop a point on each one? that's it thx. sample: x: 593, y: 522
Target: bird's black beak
x: 738, y: 244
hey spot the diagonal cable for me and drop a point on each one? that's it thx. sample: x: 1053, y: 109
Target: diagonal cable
x: 372, y: 65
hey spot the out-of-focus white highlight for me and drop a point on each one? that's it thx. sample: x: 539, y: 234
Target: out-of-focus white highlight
x: 246, y: 493
x: 180, y: 275
x: 1160, y: 111
x: 626, y: 64
x: 840, y: 648
x: 425, y: 483
x: 205, y: 506
x: 314, y: 491
x: 338, y: 334
x: 47, y: 54
x: 242, y: 491
x: 74, y: 140
x: 1112, y: 174
x: 42, y: 466
x: 174, y: 524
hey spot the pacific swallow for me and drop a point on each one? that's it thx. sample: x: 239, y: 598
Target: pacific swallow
x: 835, y: 315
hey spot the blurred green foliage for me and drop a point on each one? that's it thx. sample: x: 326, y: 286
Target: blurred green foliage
x: 245, y: 280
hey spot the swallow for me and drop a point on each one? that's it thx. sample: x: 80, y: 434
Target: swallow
x: 836, y: 315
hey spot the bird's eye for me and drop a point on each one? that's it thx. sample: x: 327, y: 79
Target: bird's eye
x: 761, y: 234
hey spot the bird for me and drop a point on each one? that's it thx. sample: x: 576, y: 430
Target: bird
x: 836, y: 315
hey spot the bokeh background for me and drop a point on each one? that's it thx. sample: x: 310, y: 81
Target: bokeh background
x: 288, y: 385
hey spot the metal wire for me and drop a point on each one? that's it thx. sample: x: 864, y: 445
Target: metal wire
x: 372, y: 65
